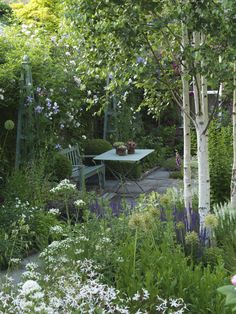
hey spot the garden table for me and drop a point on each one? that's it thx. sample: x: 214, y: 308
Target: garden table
x: 132, y: 158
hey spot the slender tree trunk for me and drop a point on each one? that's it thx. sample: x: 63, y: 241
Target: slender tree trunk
x: 186, y: 133
x: 201, y: 108
x: 233, y: 177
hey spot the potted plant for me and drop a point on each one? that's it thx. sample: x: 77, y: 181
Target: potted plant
x: 131, y: 145
x: 117, y: 144
x: 121, y: 150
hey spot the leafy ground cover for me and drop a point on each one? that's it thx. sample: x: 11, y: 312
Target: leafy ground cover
x: 139, y: 262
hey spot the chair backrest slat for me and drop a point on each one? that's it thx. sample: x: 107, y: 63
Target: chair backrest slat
x: 73, y: 155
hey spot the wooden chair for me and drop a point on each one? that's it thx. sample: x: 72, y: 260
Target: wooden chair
x: 80, y: 172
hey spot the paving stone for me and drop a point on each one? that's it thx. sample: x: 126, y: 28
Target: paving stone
x: 17, y: 273
x: 158, y: 175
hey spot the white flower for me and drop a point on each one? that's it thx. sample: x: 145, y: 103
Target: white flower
x: 30, y: 286
x: 38, y: 295
x: 56, y: 229
x: 77, y: 80
x: 98, y: 247
x: 15, y: 261
x: 136, y: 297
x: 176, y: 302
x: 145, y: 294
x: 67, y: 53
x: 106, y: 240
x: 84, y: 137
x: 54, y: 211
x: 79, y: 203
x: 64, y: 186
x: 79, y: 251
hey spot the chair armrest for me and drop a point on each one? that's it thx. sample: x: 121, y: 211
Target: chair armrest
x: 87, y: 156
x: 75, y: 167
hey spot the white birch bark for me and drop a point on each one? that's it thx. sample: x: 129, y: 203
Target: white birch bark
x: 201, y: 108
x: 186, y: 133
x: 233, y: 177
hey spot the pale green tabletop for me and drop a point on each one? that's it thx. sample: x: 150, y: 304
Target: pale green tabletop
x: 112, y: 156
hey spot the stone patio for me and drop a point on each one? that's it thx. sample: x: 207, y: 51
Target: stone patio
x: 158, y: 180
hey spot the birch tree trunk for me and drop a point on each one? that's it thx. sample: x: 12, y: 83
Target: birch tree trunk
x: 233, y: 177
x: 186, y: 133
x: 201, y: 108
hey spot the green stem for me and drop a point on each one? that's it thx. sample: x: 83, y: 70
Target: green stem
x: 67, y: 211
x: 4, y: 142
x: 153, y: 239
x: 11, y: 252
x: 135, y: 247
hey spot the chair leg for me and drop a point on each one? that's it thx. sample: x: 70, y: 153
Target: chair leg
x: 101, y: 178
x: 82, y: 182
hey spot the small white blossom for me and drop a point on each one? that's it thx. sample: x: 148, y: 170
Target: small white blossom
x: 136, y: 297
x: 79, y: 203
x: 64, y: 186
x: 56, y: 229
x: 54, y: 211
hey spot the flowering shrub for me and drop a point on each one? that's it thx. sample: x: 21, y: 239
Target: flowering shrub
x: 23, y: 227
x: 71, y: 286
x: 230, y: 293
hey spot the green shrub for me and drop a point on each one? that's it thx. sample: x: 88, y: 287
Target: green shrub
x: 41, y: 223
x: 213, y: 256
x: 96, y: 146
x: 226, y: 238
x: 29, y: 183
x: 176, y: 175
x: 23, y: 229
x: 220, y: 159
x: 5, y: 11
x: 60, y: 167
x: 170, y: 164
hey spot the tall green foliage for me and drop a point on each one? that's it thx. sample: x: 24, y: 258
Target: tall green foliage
x: 220, y: 157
